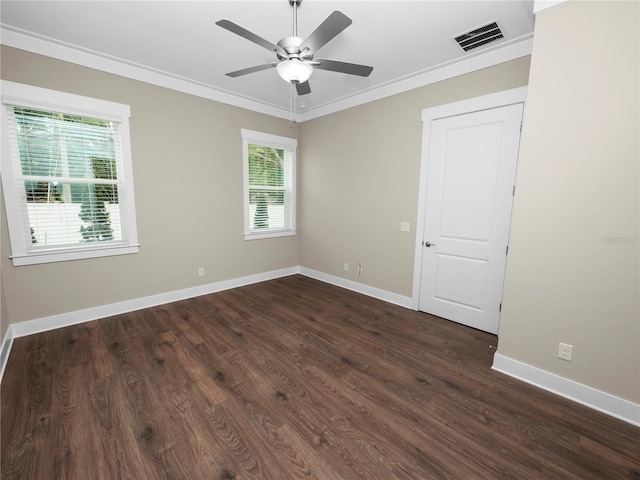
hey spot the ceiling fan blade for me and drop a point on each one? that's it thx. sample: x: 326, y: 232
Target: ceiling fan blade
x: 245, y: 71
x: 332, y: 26
x: 252, y: 37
x: 303, y: 88
x: 343, y: 67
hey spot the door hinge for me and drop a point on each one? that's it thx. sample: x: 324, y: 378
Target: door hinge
x: 500, y: 309
x: 513, y: 193
x: 507, y: 252
x: 520, y: 126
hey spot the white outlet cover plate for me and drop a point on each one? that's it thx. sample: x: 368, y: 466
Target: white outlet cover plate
x: 565, y: 351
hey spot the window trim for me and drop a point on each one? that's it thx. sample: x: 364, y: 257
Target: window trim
x: 53, y: 100
x: 275, y: 141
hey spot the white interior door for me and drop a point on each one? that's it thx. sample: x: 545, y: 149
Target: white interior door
x: 472, y: 162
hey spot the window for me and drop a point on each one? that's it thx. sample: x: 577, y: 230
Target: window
x: 269, y: 185
x: 66, y: 176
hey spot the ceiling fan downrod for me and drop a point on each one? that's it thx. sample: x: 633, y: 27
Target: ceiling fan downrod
x: 295, y: 4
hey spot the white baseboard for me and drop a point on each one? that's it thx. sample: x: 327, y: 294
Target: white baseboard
x: 389, y: 297
x: 79, y: 316
x: 53, y: 322
x: 588, y: 396
x: 596, y: 399
x: 6, y: 349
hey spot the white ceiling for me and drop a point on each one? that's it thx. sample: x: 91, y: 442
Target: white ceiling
x: 177, y: 44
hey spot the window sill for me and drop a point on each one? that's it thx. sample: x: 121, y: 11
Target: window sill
x: 63, y: 255
x: 272, y: 234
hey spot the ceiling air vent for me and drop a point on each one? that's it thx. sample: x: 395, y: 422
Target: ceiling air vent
x: 479, y: 36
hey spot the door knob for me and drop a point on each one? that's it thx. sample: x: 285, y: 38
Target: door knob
x: 429, y: 244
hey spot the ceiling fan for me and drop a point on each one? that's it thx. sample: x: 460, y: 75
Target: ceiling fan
x: 295, y: 55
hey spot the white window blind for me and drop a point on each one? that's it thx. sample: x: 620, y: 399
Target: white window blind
x: 269, y: 170
x: 66, y: 186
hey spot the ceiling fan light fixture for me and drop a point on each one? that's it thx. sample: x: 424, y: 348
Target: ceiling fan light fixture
x: 294, y: 71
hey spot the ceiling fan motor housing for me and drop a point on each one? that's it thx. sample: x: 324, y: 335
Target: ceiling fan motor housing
x: 291, y: 45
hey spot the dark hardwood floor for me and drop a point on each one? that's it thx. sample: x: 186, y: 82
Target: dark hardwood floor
x: 289, y: 379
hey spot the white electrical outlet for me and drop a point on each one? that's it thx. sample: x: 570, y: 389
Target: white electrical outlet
x: 359, y: 270
x: 201, y: 272
x: 346, y: 267
x: 404, y: 226
x: 565, y: 351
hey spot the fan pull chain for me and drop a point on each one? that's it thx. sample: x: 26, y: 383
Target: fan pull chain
x: 293, y: 112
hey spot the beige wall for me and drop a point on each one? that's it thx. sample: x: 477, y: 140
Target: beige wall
x: 353, y: 191
x: 188, y: 184
x: 572, y: 273
x: 359, y: 176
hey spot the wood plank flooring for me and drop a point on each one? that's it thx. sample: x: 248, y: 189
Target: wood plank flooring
x: 289, y: 379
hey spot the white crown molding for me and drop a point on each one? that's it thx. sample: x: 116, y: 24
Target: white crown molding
x: 540, y: 5
x: 487, y: 58
x: 45, y: 46
x: 88, y: 58
x: 577, y: 392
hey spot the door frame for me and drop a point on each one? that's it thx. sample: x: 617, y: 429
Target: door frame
x: 476, y: 104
